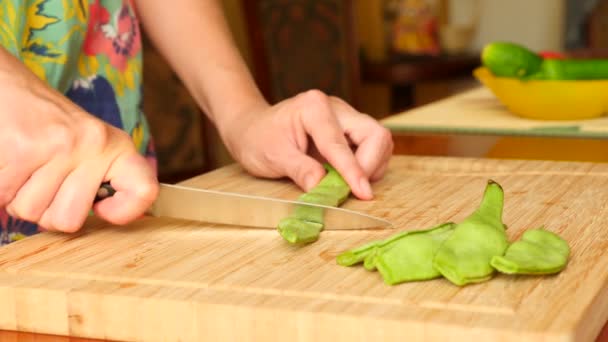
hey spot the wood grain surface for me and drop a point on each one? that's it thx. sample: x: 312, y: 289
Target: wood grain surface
x: 164, y: 280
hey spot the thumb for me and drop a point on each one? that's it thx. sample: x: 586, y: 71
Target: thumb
x: 305, y: 171
x: 136, y: 186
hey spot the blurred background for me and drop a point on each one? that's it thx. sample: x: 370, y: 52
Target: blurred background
x: 382, y: 56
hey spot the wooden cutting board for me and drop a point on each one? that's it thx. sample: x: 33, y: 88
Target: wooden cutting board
x: 163, y: 280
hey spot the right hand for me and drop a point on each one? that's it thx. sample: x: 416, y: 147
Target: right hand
x: 54, y: 156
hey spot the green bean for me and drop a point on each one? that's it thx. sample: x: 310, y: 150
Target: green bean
x: 369, y: 263
x: 313, y: 214
x: 465, y: 256
x: 411, y: 258
x: 467, y: 252
x: 539, y: 251
x: 358, y: 255
x: 297, y: 231
x: 306, y: 223
x: 369, y: 252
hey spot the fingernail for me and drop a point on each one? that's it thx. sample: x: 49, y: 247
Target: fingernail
x: 365, y: 187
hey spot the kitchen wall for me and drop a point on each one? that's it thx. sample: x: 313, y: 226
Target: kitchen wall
x: 538, y: 24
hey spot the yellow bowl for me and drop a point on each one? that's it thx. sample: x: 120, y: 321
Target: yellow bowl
x: 548, y: 100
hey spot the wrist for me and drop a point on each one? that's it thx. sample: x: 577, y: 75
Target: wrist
x: 226, y: 103
x: 228, y: 117
x: 232, y: 122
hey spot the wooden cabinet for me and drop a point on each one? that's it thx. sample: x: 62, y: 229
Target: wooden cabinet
x: 302, y: 44
x: 185, y: 140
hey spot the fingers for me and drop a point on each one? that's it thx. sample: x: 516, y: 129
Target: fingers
x: 14, y: 174
x: 275, y: 143
x: 73, y: 200
x: 60, y: 194
x: 322, y: 125
x: 374, y: 149
x: 136, y: 188
x: 10, y: 181
x: 38, y: 192
x: 374, y: 142
x: 304, y: 170
x: 134, y: 182
x: 379, y: 173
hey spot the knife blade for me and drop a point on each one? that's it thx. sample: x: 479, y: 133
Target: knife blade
x: 211, y: 206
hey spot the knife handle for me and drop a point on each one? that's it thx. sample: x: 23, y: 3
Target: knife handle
x: 105, y: 190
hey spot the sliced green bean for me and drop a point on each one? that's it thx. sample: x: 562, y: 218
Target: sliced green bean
x: 465, y: 256
x: 356, y: 255
x: 305, y: 223
x: 369, y: 263
x: 297, y: 231
x: 368, y: 252
x: 467, y: 252
x: 539, y: 251
x: 411, y: 258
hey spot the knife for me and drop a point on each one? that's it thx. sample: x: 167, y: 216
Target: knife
x: 211, y: 206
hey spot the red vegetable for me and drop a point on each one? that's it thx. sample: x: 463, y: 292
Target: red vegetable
x: 551, y: 55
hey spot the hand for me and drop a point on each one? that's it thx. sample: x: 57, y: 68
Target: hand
x: 267, y: 141
x: 54, y: 156
x: 294, y: 136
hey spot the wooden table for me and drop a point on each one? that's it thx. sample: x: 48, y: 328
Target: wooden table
x: 403, y: 73
x: 475, y: 124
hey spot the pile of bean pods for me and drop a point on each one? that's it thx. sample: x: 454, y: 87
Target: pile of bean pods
x: 467, y: 252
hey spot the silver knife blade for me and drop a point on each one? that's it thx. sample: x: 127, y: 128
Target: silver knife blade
x: 194, y: 204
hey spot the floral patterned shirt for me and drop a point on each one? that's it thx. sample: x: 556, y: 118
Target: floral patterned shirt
x: 89, y: 50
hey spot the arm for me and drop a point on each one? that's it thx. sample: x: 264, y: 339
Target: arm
x: 54, y: 156
x: 269, y: 141
x: 195, y: 39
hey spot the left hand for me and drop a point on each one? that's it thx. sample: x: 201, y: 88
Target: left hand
x: 268, y: 141
x: 273, y: 142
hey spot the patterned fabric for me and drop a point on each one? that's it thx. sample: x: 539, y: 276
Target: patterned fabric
x: 90, y: 50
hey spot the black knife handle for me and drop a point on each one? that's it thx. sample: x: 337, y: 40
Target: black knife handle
x: 105, y: 190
